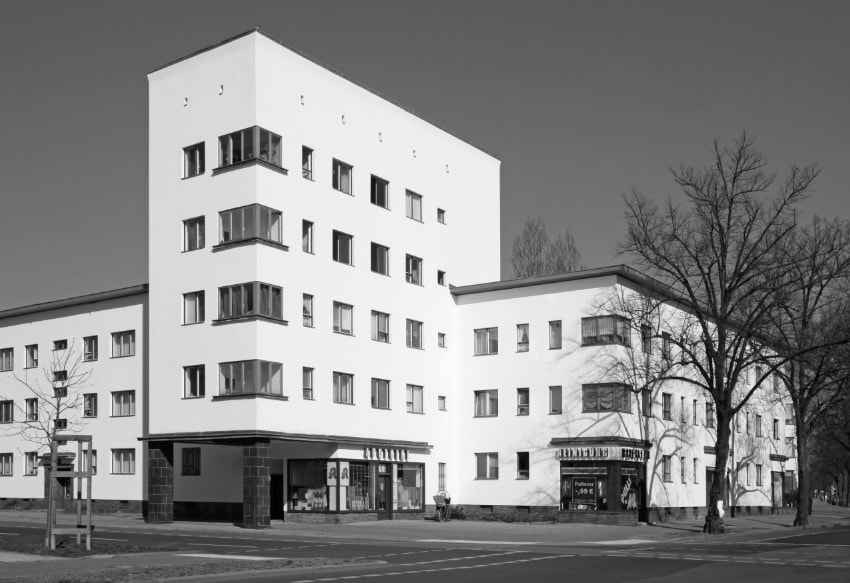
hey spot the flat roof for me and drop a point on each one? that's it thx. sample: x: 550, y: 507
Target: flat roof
x: 75, y: 301
x: 330, y: 69
x: 623, y: 271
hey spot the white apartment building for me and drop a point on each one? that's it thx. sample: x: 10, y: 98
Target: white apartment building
x: 317, y: 342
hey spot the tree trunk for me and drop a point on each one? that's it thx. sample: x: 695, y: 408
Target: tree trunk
x: 804, y: 490
x: 713, y: 517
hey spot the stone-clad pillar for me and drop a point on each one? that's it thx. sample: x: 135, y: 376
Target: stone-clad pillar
x: 256, y: 485
x: 160, y: 482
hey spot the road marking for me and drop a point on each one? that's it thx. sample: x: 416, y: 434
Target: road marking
x: 475, y: 542
x: 9, y: 533
x: 228, y: 557
x: 228, y: 546
x: 114, y: 539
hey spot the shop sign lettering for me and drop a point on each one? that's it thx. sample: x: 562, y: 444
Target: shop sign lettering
x: 632, y: 454
x: 571, y: 453
x: 629, y: 454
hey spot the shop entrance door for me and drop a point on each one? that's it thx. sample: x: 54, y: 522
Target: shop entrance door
x: 276, y: 496
x: 383, y: 498
x: 777, y: 487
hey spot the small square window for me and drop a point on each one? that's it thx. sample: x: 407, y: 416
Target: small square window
x: 342, y: 176
x: 380, y: 394
x: 90, y: 405
x: 486, y: 341
x: 413, y: 270
x: 441, y: 403
x: 379, y: 194
x: 7, y: 359
x: 194, y: 381
x: 486, y: 403
x: 441, y: 339
x: 123, y: 461
x: 414, y: 399
x: 193, y: 307
x: 486, y: 466
x: 90, y: 348
x: 123, y: 403
x: 343, y: 388
x: 60, y: 344
x: 193, y: 160
x: 413, y: 332
x: 441, y: 277
x: 441, y: 216
x: 380, y: 326
x: 123, y: 343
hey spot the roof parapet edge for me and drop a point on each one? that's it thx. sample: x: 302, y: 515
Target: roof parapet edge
x: 75, y: 301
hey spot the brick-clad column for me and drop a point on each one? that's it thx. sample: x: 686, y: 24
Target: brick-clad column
x: 160, y: 482
x: 256, y: 485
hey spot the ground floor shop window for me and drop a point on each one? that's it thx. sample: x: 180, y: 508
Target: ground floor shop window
x: 601, y: 486
x: 308, y: 490
x: 409, y: 495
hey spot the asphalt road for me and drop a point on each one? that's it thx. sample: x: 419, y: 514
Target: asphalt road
x: 814, y: 555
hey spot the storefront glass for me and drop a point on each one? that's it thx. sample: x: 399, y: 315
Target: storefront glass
x: 409, y: 482
x: 308, y: 489
x: 359, y: 493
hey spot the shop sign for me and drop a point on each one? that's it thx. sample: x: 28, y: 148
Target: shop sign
x: 385, y: 454
x: 343, y: 473
x: 331, y: 469
x: 629, y: 454
x: 584, y: 490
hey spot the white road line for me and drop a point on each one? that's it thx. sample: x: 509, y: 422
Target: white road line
x: 9, y: 533
x: 229, y: 546
x: 475, y: 542
x: 228, y: 557
x: 113, y: 539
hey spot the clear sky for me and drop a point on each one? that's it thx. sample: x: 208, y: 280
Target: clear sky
x: 580, y: 100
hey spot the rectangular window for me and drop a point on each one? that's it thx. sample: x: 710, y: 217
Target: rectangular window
x: 487, y: 403
x: 522, y: 465
x: 31, y: 463
x: 7, y: 411
x: 441, y: 476
x: 194, y: 381
x: 191, y: 461
x: 85, y: 462
x: 343, y: 318
x: 193, y: 234
x: 90, y: 348
x: 123, y: 403
x: 759, y: 481
x: 696, y: 470
x: 250, y: 222
x: 342, y: 176
x: 90, y: 405
x: 307, y: 236
x: 31, y: 409
x: 646, y: 402
x: 759, y: 373
x: 343, y: 248
x: 307, y: 383
x: 250, y: 299
x: 665, y: 345
x: 605, y: 330
x: 747, y: 472
x: 709, y: 415
x: 556, y: 404
x: 441, y: 216
x: 380, y: 192
x: 343, y: 388
x: 522, y: 404
x: 380, y: 394
x: 646, y: 339
x: 759, y: 432
x: 250, y: 377
x: 123, y: 461
x: 32, y: 355
x: 486, y: 341
x: 486, y: 466
x: 60, y: 376
x: 380, y: 326
x: 193, y: 307
x: 193, y: 160
x: 441, y: 403
x: 60, y: 344
x: 682, y: 469
x: 441, y: 277
x: 413, y: 329
x: 776, y: 429
x: 252, y: 143
x: 789, y: 414
x: 413, y: 270
x: 555, y: 334
x: 522, y: 337
x: 413, y: 206
x: 441, y: 339
x: 683, y: 411
x: 414, y: 399
x: 6, y: 461
x: 696, y: 410
x: 307, y: 162
x: 307, y: 309
x: 605, y: 397
x: 61, y: 423
x: 666, y: 469
x: 7, y: 358
x: 380, y: 259
x: 667, y: 406
x: 123, y: 343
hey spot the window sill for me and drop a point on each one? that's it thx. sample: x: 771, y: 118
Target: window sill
x: 120, y: 416
x: 556, y: 412
x: 308, y: 399
x: 193, y: 176
x: 484, y: 416
x: 380, y: 206
x: 249, y: 241
x: 486, y: 354
x: 343, y: 333
x: 246, y: 163
x: 123, y: 356
x: 250, y: 396
x: 416, y: 412
x: 192, y: 323
x: 250, y: 318
x: 381, y: 408
x: 379, y: 273
x: 416, y: 347
x: 308, y: 326
x: 416, y: 283
x: 192, y: 250
x: 415, y: 219
x: 486, y: 479
x: 95, y: 416
x: 522, y: 351
x: 341, y: 403
x: 381, y: 341
x: 521, y: 478
x: 30, y: 367
x: 338, y: 262
x: 522, y: 414
x: 192, y: 398
x: 89, y: 360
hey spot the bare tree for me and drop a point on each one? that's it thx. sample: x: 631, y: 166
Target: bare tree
x: 534, y: 253
x: 812, y: 322
x: 53, y: 406
x: 722, y: 259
